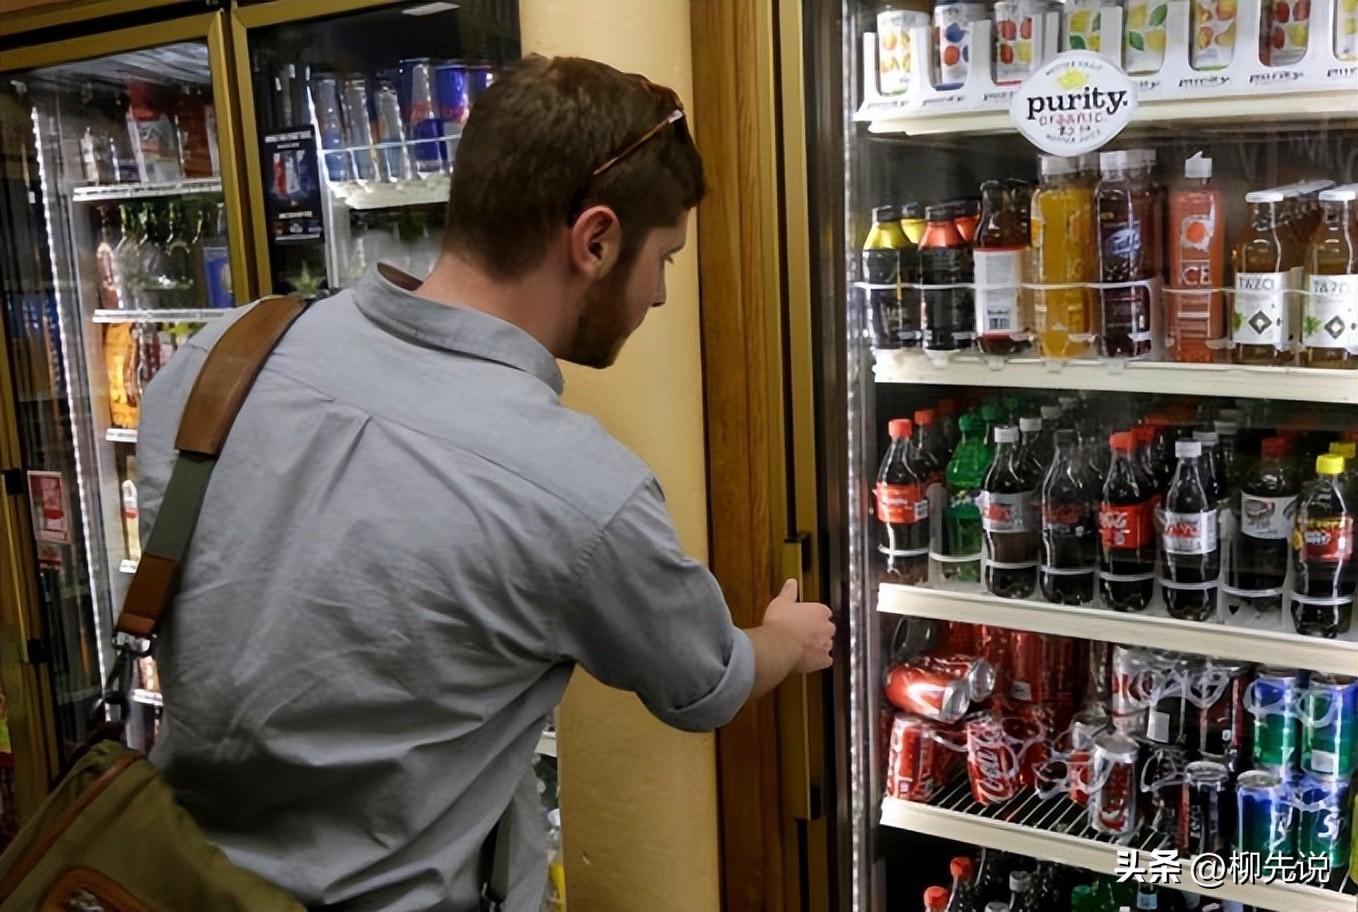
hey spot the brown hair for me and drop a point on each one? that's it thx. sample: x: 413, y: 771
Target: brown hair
x: 529, y: 150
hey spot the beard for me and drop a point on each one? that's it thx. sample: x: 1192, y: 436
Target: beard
x: 603, y: 326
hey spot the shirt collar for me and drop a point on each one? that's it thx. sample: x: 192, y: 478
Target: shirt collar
x: 386, y: 296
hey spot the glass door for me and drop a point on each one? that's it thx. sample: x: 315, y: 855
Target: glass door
x: 355, y: 118
x: 121, y: 235
x: 1088, y: 277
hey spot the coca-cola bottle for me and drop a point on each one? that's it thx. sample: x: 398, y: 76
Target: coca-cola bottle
x: 1030, y: 444
x: 1021, y: 895
x: 947, y: 420
x: 1192, y: 553
x: 936, y: 899
x: 1070, y: 527
x: 929, y: 451
x: 1126, y: 531
x: 963, y: 897
x: 992, y: 877
x: 902, y: 510
x: 1323, y: 565
x: 1007, y: 520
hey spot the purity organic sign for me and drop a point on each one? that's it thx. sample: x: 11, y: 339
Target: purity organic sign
x: 1075, y: 104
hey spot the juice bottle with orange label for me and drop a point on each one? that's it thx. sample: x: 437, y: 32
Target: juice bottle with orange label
x: 1197, y: 259
x: 1062, y: 258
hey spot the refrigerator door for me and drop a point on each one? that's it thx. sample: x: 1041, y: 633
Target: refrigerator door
x: 352, y: 113
x: 119, y: 236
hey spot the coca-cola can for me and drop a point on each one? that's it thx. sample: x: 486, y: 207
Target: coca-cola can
x: 992, y: 644
x: 1029, y: 667
x: 1219, y: 726
x: 927, y: 692
x: 1113, y: 785
x: 959, y: 638
x: 1128, y: 699
x: 1029, y: 730
x: 978, y: 674
x: 1087, y: 725
x: 915, y: 760
x: 993, y: 767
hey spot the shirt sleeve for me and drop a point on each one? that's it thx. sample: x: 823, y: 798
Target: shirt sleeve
x: 645, y: 617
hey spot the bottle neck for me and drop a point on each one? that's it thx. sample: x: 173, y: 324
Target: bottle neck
x: 1264, y: 216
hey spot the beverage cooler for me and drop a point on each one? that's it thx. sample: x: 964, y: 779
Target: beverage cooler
x: 1085, y: 301
x: 352, y: 114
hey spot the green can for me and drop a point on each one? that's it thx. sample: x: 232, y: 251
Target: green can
x: 1274, y: 700
x: 1329, y: 725
x: 1263, y: 819
x: 1324, y: 819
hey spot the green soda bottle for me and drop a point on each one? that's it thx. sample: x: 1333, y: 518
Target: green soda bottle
x: 962, y: 514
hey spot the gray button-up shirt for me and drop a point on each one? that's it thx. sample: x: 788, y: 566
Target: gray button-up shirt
x: 406, y: 546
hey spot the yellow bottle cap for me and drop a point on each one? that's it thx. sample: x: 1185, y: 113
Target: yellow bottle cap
x: 1329, y: 464
x: 1346, y: 448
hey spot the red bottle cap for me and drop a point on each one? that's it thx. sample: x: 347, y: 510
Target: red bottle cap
x: 1144, y: 434
x: 1122, y: 441
x: 924, y: 417
x: 935, y: 897
x: 961, y: 868
x: 1274, y: 447
x: 899, y: 428
x: 947, y: 406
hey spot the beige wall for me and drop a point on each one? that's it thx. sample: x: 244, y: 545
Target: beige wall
x: 639, y: 800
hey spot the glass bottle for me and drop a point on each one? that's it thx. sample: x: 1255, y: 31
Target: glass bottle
x: 1330, y: 306
x: 1062, y: 257
x: 1265, y: 255
x: 1000, y: 247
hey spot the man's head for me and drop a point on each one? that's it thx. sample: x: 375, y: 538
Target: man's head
x: 570, y: 167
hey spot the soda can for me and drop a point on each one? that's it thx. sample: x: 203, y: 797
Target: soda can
x: 330, y: 125
x: 1160, y: 776
x: 1130, y: 670
x: 454, y: 93
x: 1166, y: 712
x: 1324, y: 819
x: 1263, y: 815
x: 391, y: 135
x: 926, y: 692
x: 1204, y: 810
x: 358, y: 128
x: 915, y: 760
x: 1113, y: 786
x: 479, y: 79
x: 993, y: 764
x: 1219, y: 726
x: 1085, y: 726
x: 958, y: 637
x: 896, y: 49
x: 993, y: 645
x: 977, y: 673
x: 1273, y: 700
x: 1029, y: 730
x: 425, y: 125
x: 952, y: 33
x: 1029, y: 664
x: 1329, y: 725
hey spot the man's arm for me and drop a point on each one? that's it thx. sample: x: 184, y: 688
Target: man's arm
x: 795, y: 638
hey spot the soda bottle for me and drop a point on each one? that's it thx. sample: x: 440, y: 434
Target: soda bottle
x: 1045, y: 446
x: 991, y: 876
x: 1001, y: 245
x: 1348, y: 451
x: 1021, y: 896
x: 1062, y: 257
x: 946, y: 273
x: 1070, y: 527
x: 1264, y: 515
x: 1213, y: 466
x: 963, y: 898
x: 902, y: 510
x: 992, y: 413
x: 1227, y: 431
x: 886, y: 264
x: 195, y: 158
x: 1323, y: 565
x: 1030, y: 450
x: 1144, y: 462
x: 1329, y: 324
x: 1011, y: 530
x: 1265, y: 256
x: 965, y: 475
x: 1125, y: 208
x: 1197, y: 259
x: 947, y: 419
x: 1127, y: 532
x: 936, y: 899
x: 929, y: 454
x: 1192, y: 552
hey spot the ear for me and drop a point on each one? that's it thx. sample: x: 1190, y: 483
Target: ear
x: 595, y: 242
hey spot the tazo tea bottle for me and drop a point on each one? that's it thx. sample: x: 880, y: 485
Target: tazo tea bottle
x: 1197, y: 259
x: 1265, y: 256
x: 1329, y: 321
x: 1214, y: 31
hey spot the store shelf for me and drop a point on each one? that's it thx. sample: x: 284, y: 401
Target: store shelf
x: 121, y: 435
x: 113, y: 193
x: 127, y: 566
x: 1293, y: 383
x: 1149, y: 629
x: 418, y: 191
x: 164, y: 315
x: 147, y: 697
x: 547, y: 744
x: 1056, y: 830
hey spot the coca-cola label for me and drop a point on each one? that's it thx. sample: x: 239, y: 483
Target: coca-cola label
x: 1267, y: 517
x: 1125, y: 525
x: 1190, y: 533
x: 997, y: 275
x: 1330, y: 316
x: 1325, y: 539
x: 1262, y: 308
x: 1075, y: 519
x: 901, y: 504
x: 1006, y: 512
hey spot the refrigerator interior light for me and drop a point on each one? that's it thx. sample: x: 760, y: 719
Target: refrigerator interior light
x: 428, y: 9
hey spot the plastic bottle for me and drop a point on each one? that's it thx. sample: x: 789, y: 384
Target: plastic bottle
x: 1330, y: 307
x: 887, y: 258
x: 1192, y: 551
x: 1197, y: 259
x: 1070, y: 527
x: 1125, y: 209
x: 913, y: 223
x: 962, y: 515
x: 947, y: 420
x: 992, y: 879
x: 1001, y: 246
x: 1030, y: 449
x: 936, y: 899
x: 1061, y: 256
x: 554, y: 899
x: 967, y: 218
x: 1021, y: 897
x: 1348, y: 451
x: 1323, y: 563
x: 1010, y: 526
x: 1127, y: 532
x: 929, y: 452
x: 902, y: 510
x: 1212, y: 467
x: 1265, y: 256
x: 963, y: 897
x: 1046, y: 442
x: 948, y: 316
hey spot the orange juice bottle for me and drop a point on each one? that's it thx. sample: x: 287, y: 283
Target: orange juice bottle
x: 1062, y: 256
x: 1197, y: 259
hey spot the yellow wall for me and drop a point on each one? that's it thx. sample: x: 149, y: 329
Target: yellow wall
x: 639, y: 800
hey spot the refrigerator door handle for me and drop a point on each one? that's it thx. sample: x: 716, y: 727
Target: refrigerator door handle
x: 799, y: 714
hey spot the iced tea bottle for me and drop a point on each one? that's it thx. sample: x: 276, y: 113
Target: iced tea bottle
x: 888, y: 262
x: 912, y: 222
x: 1061, y: 257
x: 1329, y: 323
x: 1197, y: 259
x: 1001, y: 244
x: 946, y: 269
x: 1125, y: 205
x: 1265, y: 255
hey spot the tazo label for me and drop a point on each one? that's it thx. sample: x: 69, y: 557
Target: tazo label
x: 1190, y: 533
x: 1075, y: 104
x: 1330, y: 316
x: 1262, y: 308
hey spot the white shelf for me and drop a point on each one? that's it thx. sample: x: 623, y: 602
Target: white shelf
x: 112, y: 193
x: 417, y: 191
x: 121, y: 435
x: 127, y: 566
x: 547, y: 744
x: 147, y: 697
x: 162, y: 315
x: 1241, y: 381
x: 1148, y: 629
x: 1101, y: 857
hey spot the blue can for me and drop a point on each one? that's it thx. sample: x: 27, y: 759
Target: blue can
x: 480, y: 76
x: 1263, y: 818
x: 454, y: 92
x: 1324, y: 819
x: 1274, y: 700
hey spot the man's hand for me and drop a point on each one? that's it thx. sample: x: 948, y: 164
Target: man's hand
x: 795, y: 638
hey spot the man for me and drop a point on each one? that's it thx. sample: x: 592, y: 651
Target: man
x: 408, y: 542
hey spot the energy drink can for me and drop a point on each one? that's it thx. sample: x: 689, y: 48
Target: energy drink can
x: 1263, y: 820
x: 425, y: 125
x: 1329, y: 726
x: 454, y: 93
x: 1274, y: 700
x: 1324, y: 819
x: 479, y: 78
